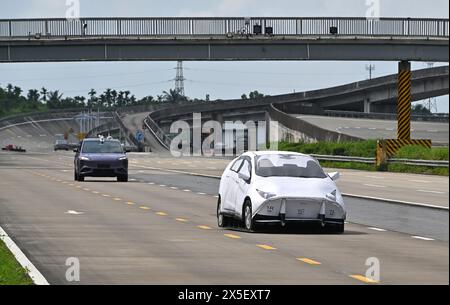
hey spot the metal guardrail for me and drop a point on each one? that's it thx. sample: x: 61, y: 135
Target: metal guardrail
x: 437, y: 117
x: 159, y: 134
x: 186, y: 26
x: 429, y: 163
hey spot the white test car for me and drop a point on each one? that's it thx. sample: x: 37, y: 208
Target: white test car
x: 278, y: 188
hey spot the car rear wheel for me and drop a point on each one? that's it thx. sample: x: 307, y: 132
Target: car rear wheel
x: 222, y: 220
x: 335, y: 228
x: 249, y: 222
x: 122, y: 178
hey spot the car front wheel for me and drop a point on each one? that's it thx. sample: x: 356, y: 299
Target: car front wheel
x: 249, y: 222
x: 222, y: 220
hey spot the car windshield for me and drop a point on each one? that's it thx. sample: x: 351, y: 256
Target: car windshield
x: 98, y: 147
x: 288, y: 166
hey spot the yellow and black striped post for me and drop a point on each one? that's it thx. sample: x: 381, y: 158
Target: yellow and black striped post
x: 404, y: 101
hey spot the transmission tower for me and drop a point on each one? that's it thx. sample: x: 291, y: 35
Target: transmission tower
x: 432, y: 104
x: 179, y: 79
x: 370, y: 68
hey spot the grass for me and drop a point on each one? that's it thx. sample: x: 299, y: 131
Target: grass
x: 367, y: 149
x: 355, y: 149
x: 395, y: 168
x: 11, y: 273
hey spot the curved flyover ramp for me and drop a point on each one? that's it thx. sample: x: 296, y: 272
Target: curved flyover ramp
x: 379, y: 129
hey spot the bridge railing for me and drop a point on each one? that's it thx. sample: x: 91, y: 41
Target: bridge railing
x: 183, y: 26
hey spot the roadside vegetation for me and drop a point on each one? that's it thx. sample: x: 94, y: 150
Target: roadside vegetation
x: 367, y: 149
x: 11, y: 273
x: 13, y: 100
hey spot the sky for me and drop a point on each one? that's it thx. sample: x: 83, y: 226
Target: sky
x: 221, y: 80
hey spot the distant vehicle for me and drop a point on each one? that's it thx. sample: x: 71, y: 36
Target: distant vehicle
x: 278, y: 188
x: 61, y: 145
x: 100, y: 157
x: 11, y: 147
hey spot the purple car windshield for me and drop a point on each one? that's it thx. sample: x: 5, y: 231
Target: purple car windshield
x: 98, y: 147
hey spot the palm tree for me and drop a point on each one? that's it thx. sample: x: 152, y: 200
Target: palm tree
x: 54, y: 99
x: 44, y: 93
x: 173, y: 96
x: 92, y: 98
x: 108, y: 97
x: 33, y: 95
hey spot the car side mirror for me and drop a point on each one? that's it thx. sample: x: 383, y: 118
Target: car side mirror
x: 334, y: 176
x: 75, y: 150
x: 244, y: 176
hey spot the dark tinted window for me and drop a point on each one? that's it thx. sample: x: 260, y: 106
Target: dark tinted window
x: 288, y: 166
x: 98, y: 147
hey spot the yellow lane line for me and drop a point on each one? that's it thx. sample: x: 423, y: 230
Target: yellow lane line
x: 266, y: 247
x: 204, y: 227
x: 117, y: 199
x: 161, y: 213
x: 144, y: 208
x: 130, y: 203
x: 232, y: 236
x: 363, y: 279
x: 106, y: 195
x: 181, y: 219
x: 309, y: 261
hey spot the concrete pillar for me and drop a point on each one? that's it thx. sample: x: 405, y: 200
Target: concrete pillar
x: 404, y: 101
x: 367, y: 106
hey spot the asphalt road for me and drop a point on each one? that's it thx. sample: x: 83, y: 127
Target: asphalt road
x: 413, y: 188
x: 380, y: 129
x: 160, y: 228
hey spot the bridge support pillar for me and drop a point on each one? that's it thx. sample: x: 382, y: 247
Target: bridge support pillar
x: 404, y: 101
x: 389, y: 147
x: 367, y: 106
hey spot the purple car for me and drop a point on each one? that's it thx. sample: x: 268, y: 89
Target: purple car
x: 101, y: 158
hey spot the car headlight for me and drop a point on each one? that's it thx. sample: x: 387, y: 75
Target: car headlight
x: 266, y: 195
x: 331, y: 196
x: 84, y: 158
x: 122, y: 158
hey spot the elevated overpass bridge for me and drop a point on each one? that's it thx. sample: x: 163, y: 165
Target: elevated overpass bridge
x: 256, y: 38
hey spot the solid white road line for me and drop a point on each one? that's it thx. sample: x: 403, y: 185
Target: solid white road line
x: 423, y: 238
x: 432, y: 192
x: 377, y: 229
x: 32, y: 271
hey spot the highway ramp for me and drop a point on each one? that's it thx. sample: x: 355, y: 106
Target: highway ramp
x: 160, y: 228
x: 380, y: 129
x: 133, y: 122
x: 38, y: 135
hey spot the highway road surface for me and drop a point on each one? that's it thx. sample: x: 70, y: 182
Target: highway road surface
x: 380, y: 129
x: 160, y: 228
